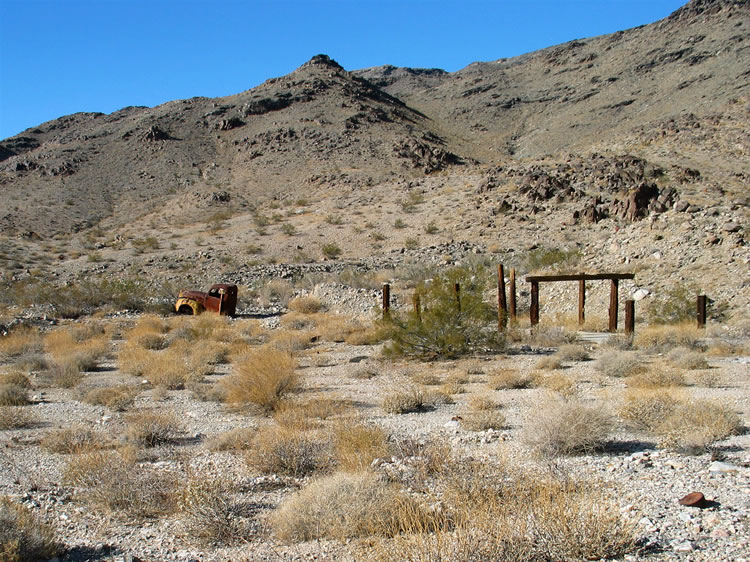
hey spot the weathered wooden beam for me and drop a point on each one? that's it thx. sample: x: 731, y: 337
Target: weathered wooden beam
x: 534, y: 308
x: 580, y: 277
x: 613, y: 290
x: 417, y: 306
x: 512, y: 294
x: 502, y: 304
x: 386, y: 300
x: 581, y: 302
x: 701, y: 302
x: 457, y: 292
x: 629, y: 316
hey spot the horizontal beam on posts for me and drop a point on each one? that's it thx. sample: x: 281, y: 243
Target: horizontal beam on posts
x: 580, y: 277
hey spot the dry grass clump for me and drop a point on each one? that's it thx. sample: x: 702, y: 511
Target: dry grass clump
x: 451, y: 387
x: 16, y: 378
x: 619, y: 364
x: 262, y: 380
x: 412, y: 399
x: 556, y: 382
x: 237, y: 439
x: 211, y: 516
x: 117, y: 398
x: 684, y: 358
x: 572, y: 352
x: 33, y: 361
x: 15, y: 417
x: 549, y: 363
x: 479, y: 403
x: 114, y: 481
x: 562, y: 426
x: 504, y: 379
x: 74, y: 440
x: 342, y: 506
x: 488, y: 514
x: 289, y: 450
x: 13, y: 395
x: 682, y: 424
x: 152, y: 428
x: 670, y: 335
x: 21, y: 341
x: 207, y: 392
x: 427, y: 379
x: 290, y: 342
x: 364, y: 335
x: 173, y: 368
x: 23, y: 536
x: 305, y: 305
x: 482, y: 420
x: 71, y: 358
x: 550, y: 335
x: 356, y: 446
x: 658, y: 375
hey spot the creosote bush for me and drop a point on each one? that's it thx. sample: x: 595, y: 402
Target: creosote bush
x: 23, y: 536
x: 560, y: 426
x: 262, y: 380
x: 445, y: 327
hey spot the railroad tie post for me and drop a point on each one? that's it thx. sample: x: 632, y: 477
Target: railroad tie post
x: 457, y: 292
x: 386, y: 300
x: 417, y: 306
x: 701, y: 310
x: 629, y: 316
x: 512, y: 294
x: 534, y: 308
x: 581, y: 302
x: 613, y: 305
x: 502, y: 305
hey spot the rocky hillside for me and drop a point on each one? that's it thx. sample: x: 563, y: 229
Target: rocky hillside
x: 616, y: 148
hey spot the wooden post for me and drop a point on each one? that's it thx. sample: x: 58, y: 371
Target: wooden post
x: 701, y: 310
x: 512, y: 294
x: 534, y: 309
x: 629, y: 316
x: 417, y: 306
x: 457, y: 291
x: 613, y: 305
x: 386, y: 300
x: 581, y: 302
x: 502, y: 305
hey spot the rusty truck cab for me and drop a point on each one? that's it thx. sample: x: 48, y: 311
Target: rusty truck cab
x: 222, y: 298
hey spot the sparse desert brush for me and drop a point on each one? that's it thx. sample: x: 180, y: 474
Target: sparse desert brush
x: 23, y: 536
x: 114, y: 481
x: 560, y: 426
x: 152, y: 428
x: 211, y: 516
x: 482, y: 420
x: 262, y: 379
x: 435, y: 396
x: 657, y: 375
x: 427, y: 379
x: 276, y: 291
x: 167, y: 369
x: 556, y: 382
x: 13, y: 395
x: 291, y: 451
x: 572, y: 352
x: 479, y: 403
x: 405, y: 401
x: 62, y: 346
x: 16, y: 378
x: 458, y: 378
x: 21, y: 341
x: 550, y: 335
x: 364, y: 373
x: 646, y: 408
x: 549, y: 363
x: 670, y: 335
x: 207, y: 392
x: 118, y: 398
x: 305, y: 305
x: 74, y: 440
x: 356, y: 446
x: 451, y: 387
x: 16, y: 417
x: 504, y: 379
x: 32, y: 361
x: 238, y: 439
x: 686, y: 425
x: 364, y: 336
x: 619, y: 364
x: 338, y: 328
x: 342, y: 506
x: 689, y: 359
x: 693, y: 427
x: 523, y: 517
x: 290, y: 342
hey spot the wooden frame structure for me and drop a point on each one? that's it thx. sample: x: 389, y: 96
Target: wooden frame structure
x: 614, y: 279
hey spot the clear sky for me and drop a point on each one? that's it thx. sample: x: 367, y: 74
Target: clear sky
x: 63, y: 56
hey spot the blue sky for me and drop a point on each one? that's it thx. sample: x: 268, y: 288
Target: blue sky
x: 63, y: 56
